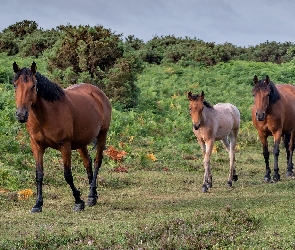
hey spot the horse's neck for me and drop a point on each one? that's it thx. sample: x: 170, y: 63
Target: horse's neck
x: 208, y: 115
x: 42, y: 108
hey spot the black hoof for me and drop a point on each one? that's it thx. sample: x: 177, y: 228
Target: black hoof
x: 79, y: 206
x: 204, y: 188
x: 91, y: 201
x: 290, y: 173
x: 235, y: 177
x: 229, y: 184
x: 36, y: 210
x: 276, y: 178
x: 267, y: 179
x: 209, y: 185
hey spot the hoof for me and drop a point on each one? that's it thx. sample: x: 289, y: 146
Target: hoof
x: 235, y: 177
x: 36, y: 210
x: 276, y: 178
x: 209, y: 185
x: 229, y: 184
x: 204, y: 188
x: 267, y: 179
x: 290, y: 173
x: 91, y: 201
x: 79, y: 206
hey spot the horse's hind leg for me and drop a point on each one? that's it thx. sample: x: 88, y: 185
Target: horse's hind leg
x: 232, y: 152
x: 289, y: 145
x: 87, y: 162
x: 100, y: 146
x: 66, y: 156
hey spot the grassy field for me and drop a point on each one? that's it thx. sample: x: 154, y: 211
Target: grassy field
x: 152, y: 199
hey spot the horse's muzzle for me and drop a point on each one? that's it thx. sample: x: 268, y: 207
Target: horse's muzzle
x: 260, y: 116
x: 22, y: 116
x: 196, y: 127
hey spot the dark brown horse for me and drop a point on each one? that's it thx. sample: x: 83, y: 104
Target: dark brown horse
x: 63, y: 119
x: 214, y: 123
x: 273, y: 113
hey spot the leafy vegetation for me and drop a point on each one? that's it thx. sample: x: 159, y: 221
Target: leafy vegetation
x: 150, y: 197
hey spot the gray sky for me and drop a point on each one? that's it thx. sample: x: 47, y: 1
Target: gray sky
x: 239, y: 22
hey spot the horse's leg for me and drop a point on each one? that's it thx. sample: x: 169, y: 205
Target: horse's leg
x: 87, y: 162
x: 265, y: 152
x: 203, y: 147
x: 232, y: 151
x: 289, y: 151
x: 276, y: 152
x: 66, y: 156
x: 226, y: 144
x: 207, y: 182
x: 38, y: 153
x: 100, y: 146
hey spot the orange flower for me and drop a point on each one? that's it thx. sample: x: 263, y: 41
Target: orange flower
x: 25, y: 194
x: 152, y: 157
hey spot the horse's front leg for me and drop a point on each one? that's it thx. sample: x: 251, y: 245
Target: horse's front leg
x: 263, y: 139
x: 66, y: 156
x: 207, y: 181
x: 276, y: 152
x: 38, y: 153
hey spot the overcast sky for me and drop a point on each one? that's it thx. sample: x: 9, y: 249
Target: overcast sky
x: 240, y: 22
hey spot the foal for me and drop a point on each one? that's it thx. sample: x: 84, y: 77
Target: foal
x: 211, y: 123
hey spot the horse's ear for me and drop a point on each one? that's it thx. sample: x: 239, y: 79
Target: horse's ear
x: 189, y: 95
x: 34, y: 68
x: 15, y: 67
x: 267, y: 80
x: 255, y: 80
x: 202, y: 95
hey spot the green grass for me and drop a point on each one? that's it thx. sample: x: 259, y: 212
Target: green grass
x: 156, y: 204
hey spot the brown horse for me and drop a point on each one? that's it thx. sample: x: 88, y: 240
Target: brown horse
x: 220, y: 122
x: 273, y: 113
x: 63, y: 119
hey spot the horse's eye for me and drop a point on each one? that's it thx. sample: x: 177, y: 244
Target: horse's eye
x: 14, y: 85
x: 33, y: 87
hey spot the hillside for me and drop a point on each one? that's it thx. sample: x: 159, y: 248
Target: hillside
x: 152, y: 199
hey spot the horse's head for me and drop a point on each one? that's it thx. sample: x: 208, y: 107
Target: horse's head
x: 25, y: 90
x: 261, y: 92
x: 196, y: 106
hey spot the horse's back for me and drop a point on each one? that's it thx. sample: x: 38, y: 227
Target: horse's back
x: 91, y: 112
x: 83, y: 94
x: 228, y: 114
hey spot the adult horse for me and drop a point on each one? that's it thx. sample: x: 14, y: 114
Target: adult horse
x: 63, y: 119
x: 211, y: 123
x: 273, y: 113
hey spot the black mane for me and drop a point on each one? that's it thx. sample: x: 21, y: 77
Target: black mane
x: 206, y: 104
x: 46, y: 89
x: 274, y: 94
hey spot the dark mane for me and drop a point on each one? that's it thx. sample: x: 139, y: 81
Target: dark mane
x: 46, y: 89
x: 274, y: 94
x: 206, y: 104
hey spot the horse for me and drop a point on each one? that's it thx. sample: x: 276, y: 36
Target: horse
x: 65, y: 120
x: 214, y: 123
x: 273, y: 114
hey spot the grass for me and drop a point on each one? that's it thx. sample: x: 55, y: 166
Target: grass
x: 156, y: 202
x: 158, y: 209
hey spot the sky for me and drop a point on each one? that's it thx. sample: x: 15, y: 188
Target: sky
x: 240, y: 22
